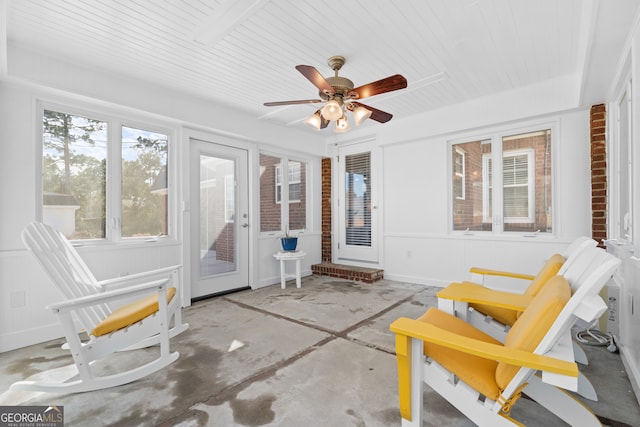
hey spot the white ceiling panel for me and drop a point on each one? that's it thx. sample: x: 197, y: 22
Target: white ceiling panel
x: 243, y: 52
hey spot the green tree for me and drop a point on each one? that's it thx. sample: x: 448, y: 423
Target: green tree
x: 143, y: 209
x: 61, y: 130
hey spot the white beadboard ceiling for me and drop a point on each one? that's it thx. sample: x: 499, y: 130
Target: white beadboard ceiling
x: 243, y: 52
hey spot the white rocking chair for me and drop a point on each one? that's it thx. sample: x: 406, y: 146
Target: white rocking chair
x: 145, y: 322
x: 483, y: 377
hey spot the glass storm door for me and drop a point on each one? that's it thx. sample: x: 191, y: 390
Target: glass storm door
x: 219, y: 219
x: 357, y: 207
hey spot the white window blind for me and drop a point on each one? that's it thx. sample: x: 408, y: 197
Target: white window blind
x: 358, y: 199
x: 518, y: 184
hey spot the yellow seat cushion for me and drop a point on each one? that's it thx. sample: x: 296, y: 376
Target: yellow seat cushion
x: 507, y: 316
x: 477, y: 372
x: 130, y: 313
x: 490, y: 377
x: 534, y: 323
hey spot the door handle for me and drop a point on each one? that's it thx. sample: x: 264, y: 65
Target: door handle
x: 245, y: 225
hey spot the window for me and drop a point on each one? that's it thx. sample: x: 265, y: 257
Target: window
x: 82, y: 157
x: 229, y: 198
x: 516, y: 197
x: 144, y: 183
x: 358, y: 199
x: 518, y: 188
x: 294, y: 182
x: 281, y: 209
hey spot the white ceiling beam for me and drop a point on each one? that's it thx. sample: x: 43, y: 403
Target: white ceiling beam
x: 232, y: 13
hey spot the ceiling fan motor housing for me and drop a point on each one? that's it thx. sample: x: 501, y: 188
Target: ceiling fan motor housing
x: 341, y: 85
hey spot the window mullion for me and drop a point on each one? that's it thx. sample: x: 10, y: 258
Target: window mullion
x: 114, y: 181
x: 284, y: 193
x: 497, y: 184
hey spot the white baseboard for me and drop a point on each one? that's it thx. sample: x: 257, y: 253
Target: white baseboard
x: 25, y: 338
x: 417, y: 280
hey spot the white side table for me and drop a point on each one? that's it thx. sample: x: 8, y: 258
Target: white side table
x: 283, y: 257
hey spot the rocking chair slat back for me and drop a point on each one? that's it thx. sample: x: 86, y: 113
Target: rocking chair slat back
x: 68, y: 271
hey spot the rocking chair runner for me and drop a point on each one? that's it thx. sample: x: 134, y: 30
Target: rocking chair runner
x: 463, y: 363
x: 142, y: 323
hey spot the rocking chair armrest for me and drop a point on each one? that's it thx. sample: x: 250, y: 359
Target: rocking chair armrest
x: 473, y: 293
x: 489, y: 272
x: 118, y: 282
x: 404, y: 327
x: 109, y: 296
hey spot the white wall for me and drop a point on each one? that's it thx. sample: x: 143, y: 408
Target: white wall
x: 33, y: 77
x: 418, y: 244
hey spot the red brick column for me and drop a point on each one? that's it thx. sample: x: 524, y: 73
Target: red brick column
x: 326, y: 209
x: 598, y: 131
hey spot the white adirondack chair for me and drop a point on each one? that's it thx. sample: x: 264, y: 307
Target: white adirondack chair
x: 500, y: 309
x: 152, y: 318
x: 460, y: 362
x: 483, y: 275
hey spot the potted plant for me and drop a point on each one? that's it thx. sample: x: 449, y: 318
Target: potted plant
x: 289, y: 243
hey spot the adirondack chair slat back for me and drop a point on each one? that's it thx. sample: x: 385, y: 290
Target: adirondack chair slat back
x: 66, y: 268
x: 575, y: 254
x: 583, y: 266
x: 585, y: 302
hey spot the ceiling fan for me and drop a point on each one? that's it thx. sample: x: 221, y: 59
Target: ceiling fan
x: 340, y: 96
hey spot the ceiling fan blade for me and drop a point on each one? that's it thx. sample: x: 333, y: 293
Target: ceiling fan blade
x: 388, y: 84
x: 316, y: 78
x: 377, y: 115
x: 300, y: 101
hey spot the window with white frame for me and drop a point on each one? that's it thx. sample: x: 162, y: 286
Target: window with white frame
x: 102, y: 179
x: 294, y: 182
x: 518, y: 186
x: 517, y: 196
x: 283, y: 200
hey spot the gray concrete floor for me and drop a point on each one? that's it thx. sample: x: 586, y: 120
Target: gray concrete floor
x: 321, y: 355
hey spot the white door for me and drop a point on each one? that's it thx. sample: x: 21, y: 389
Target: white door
x: 357, y: 206
x: 219, y: 218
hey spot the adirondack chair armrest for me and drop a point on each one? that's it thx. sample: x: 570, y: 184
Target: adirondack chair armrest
x: 155, y: 286
x: 489, y: 272
x: 410, y: 335
x: 473, y: 293
x: 118, y: 282
x: 410, y: 328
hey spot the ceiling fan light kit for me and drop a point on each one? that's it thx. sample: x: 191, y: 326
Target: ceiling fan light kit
x: 360, y: 114
x: 332, y: 110
x: 314, y: 120
x: 339, y: 96
x: 342, y: 125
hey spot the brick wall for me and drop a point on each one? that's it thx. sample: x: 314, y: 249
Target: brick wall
x: 326, y: 209
x: 598, y: 128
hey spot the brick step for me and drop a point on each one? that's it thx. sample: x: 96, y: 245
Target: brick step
x: 348, y: 272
